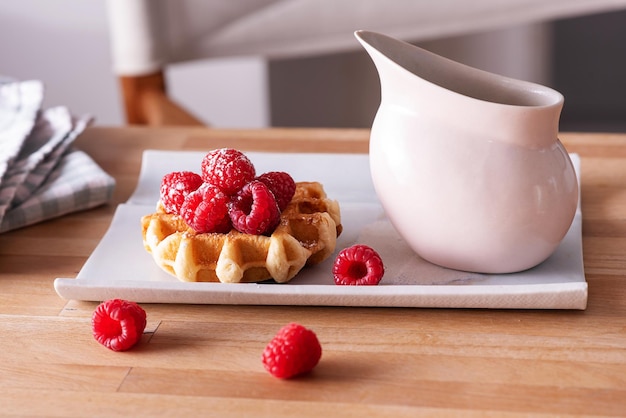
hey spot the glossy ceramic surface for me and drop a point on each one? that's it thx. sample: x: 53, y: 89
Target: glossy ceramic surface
x: 467, y: 164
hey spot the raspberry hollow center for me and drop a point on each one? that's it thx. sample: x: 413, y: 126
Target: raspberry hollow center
x: 357, y: 270
x: 111, y: 328
x: 246, y: 206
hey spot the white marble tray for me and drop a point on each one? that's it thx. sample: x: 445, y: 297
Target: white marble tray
x: 120, y: 267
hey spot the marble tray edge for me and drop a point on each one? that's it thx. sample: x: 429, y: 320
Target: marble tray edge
x: 567, y: 296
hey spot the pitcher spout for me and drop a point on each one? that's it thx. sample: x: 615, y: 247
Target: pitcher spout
x: 414, y: 78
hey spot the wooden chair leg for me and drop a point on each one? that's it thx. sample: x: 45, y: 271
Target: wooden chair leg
x: 146, y: 102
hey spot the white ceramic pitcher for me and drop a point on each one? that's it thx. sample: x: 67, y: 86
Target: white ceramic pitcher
x: 467, y: 164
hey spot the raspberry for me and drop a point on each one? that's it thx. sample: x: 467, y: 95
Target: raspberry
x: 206, y: 210
x: 281, y: 184
x: 254, y: 209
x: 175, y: 186
x: 118, y: 324
x: 228, y: 169
x: 294, y: 350
x: 358, y: 265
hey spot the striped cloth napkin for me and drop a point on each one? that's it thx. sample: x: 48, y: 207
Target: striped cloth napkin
x: 42, y: 176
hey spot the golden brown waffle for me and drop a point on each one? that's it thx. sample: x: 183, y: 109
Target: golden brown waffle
x: 307, y: 234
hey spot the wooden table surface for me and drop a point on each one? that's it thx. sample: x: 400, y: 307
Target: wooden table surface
x: 204, y: 360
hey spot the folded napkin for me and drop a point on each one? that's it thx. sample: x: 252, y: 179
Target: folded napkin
x: 42, y: 176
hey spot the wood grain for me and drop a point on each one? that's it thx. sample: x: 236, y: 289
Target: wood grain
x: 205, y: 360
x: 146, y: 102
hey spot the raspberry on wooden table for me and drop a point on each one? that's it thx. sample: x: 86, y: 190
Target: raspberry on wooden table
x: 206, y: 210
x: 254, y: 209
x: 118, y: 324
x: 358, y: 265
x: 228, y: 169
x: 175, y: 186
x: 281, y: 184
x: 293, y: 351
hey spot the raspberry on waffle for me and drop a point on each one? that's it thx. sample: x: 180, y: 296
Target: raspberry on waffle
x: 307, y: 234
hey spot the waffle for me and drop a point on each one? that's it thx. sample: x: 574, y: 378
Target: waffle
x: 307, y: 234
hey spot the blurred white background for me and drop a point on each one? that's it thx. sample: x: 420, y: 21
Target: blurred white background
x: 65, y: 44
